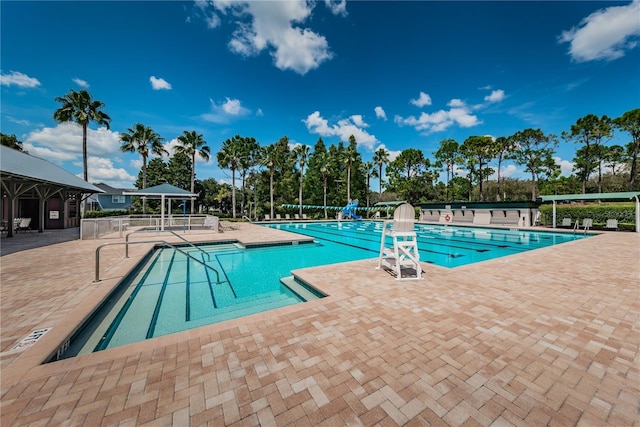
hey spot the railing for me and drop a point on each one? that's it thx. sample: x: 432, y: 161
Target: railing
x: 126, y: 239
x: 97, y: 279
x: 247, y: 218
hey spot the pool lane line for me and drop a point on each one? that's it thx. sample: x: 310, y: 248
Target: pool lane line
x: 113, y: 327
x: 156, y: 312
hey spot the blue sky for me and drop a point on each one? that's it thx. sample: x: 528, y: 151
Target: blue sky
x: 394, y: 74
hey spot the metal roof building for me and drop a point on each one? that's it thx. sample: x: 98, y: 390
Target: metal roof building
x: 28, y: 177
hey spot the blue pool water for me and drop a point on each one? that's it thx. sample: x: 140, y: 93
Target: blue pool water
x: 172, y: 292
x: 443, y: 245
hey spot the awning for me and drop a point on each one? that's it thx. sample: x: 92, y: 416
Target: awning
x: 626, y: 195
x: 162, y: 191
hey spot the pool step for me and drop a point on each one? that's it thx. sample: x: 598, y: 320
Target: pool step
x: 296, y: 287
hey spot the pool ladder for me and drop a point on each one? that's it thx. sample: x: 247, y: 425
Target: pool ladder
x: 126, y: 239
x: 127, y: 243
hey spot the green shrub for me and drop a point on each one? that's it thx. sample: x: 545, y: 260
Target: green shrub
x: 103, y: 214
x: 623, y: 212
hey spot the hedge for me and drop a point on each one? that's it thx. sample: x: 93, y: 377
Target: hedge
x: 624, y: 212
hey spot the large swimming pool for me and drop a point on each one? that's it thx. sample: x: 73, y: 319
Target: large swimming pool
x: 176, y: 290
x: 443, y: 245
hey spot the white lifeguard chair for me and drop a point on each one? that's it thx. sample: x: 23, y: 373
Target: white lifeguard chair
x: 403, y: 259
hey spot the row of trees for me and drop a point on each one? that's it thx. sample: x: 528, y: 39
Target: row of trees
x: 270, y: 175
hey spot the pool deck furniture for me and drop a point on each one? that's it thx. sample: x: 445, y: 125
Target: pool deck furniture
x: 402, y: 257
x: 612, y: 224
x: 547, y: 337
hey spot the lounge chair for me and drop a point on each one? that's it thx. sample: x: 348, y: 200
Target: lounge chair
x: 612, y: 224
x: 296, y: 216
x: 24, y: 225
x: 566, y: 222
x: 278, y: 217
x: 267, y: 217
x: 287, y: 216
x: 304, y: 216
x: 587, y: 223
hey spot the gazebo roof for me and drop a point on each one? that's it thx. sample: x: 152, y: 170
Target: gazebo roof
x: 166, y: 190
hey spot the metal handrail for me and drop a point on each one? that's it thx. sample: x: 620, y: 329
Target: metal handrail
x: 126, y: 238
x: 248, y: 219
x: 148, y: 241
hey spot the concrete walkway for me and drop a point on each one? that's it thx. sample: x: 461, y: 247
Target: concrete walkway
x: 548, y: 337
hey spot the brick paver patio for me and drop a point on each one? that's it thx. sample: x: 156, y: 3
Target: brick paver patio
x: 548, y: 337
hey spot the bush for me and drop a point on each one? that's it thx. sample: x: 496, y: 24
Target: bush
x: 103, y: 214
x: 623, y: 212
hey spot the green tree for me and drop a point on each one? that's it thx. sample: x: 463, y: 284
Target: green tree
x: 408, y: 175
x: 534, y: 150
x: 478, y: 151
x: 301, y: 154
x: 80, y: 108
x: 614, y: 157
x: 371, y: 171
x: 592, y: 132
x: 350, y: 155
x: 11, y: 141
x: 192, y: 143
x: 145, y: 141
x: 447, y: 157
x: 179, y: 169
x: 630, y: 122
x: 157, y: 173
x: 503, y: 149
x: 381, y: 158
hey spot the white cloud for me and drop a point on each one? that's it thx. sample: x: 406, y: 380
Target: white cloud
x: 605, y: 34
x: 566, y: 167
x: 271, y: 26
x: 380, y: 113
x: 440, y: 120
x: 81, y: 83
x: 17, y: 78
x: 495, y: 96
x: 423, y: 99
x: 337, y: 7
x: 159, y: 84
x: 101, y: 169
x: 64, y: 142
x: 343, y: 129
x: 223, y: 112
x: 505, y: 172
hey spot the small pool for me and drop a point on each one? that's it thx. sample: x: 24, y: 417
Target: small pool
x: 176, y: 290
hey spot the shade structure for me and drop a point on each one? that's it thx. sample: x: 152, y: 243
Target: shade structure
x: 163, y: 192
x: 596, y: 196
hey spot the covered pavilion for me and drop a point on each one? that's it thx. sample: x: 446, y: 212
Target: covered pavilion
x: 596, y: 196
x: 26, y: 177
x: 163, y: 192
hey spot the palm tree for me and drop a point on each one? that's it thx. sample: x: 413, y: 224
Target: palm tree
x: 325, y: 162
x: 371, y: 172
x: 191, y: 143
x: 229, y: 157
x: 78, y: 107
x: 381, y: 157
x: 350, y: 155
x: 269, y: 158
x: 301, y: 153
x: 145, y: 141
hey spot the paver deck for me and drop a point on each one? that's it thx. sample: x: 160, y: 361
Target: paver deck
x: 548, y: 337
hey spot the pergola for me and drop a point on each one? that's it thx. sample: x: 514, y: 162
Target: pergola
x: 162, y: 192
x: 26, y: 176
x: 596, y: 196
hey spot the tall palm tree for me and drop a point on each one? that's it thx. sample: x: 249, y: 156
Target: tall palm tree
x: 145, y: 141
x: 325, y: 162
x: 350, y: 155
x: 381, y: 157
x: 301, y: 153
x: 80, y: 108
x: 371, y: 172
x: 229, y: 157
x: 191, y: 143
x: 269, y: 157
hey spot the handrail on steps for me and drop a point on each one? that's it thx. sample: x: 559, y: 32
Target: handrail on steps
x: 149, y: 241
x: 126, y: 239
x: 248, y: 219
